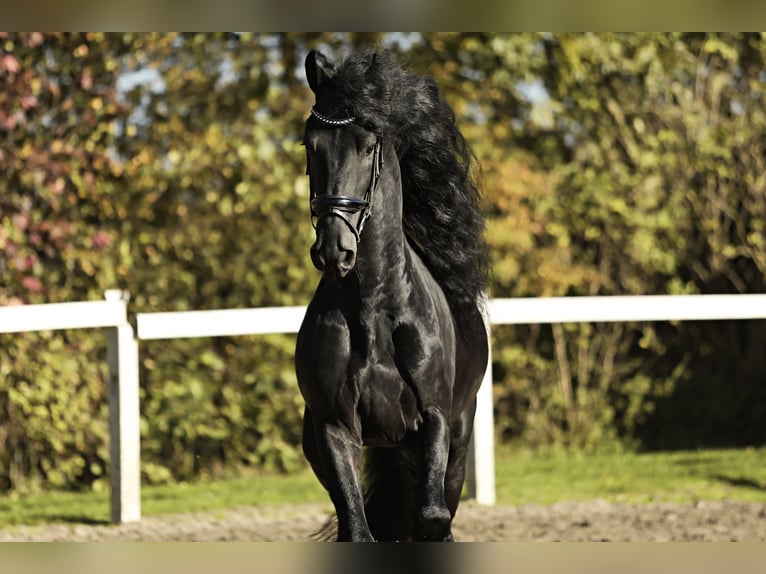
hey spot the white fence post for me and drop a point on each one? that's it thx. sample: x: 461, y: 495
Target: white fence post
x: 124, y: 418
x: 480, y: 479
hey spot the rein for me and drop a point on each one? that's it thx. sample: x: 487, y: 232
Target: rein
x: 341, y: 206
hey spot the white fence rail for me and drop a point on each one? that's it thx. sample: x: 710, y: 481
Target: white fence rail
x: 624, y: 308
x: 122, y: 352
x: 219, y: 323
x: 52, y: 316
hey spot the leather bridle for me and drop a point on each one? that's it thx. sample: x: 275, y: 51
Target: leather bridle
x: 341, y: 206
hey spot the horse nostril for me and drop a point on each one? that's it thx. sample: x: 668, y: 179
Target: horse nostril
x: 317, y: 258
x: 334, y: 249
x: 346, y: 261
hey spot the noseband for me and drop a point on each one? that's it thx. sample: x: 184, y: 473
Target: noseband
x: 341, y: 206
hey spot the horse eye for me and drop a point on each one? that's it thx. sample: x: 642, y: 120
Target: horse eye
x: 369, y: 150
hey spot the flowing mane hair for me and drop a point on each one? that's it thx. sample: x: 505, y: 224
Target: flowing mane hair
x: 441, y: 218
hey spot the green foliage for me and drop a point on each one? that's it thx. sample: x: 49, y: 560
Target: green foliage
x: 169, y: 165
x: 633, y: 166
x: 213, y: 405
x: 54, y: 412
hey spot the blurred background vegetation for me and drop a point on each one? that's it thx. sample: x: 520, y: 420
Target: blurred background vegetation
x: 169, y: 165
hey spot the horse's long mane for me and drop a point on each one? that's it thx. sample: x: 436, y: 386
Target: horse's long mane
x: 441, y: 219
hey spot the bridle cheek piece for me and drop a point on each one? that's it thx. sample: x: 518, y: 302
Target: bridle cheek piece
x: 342, y: 206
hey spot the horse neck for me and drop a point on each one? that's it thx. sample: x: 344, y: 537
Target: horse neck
x: 382, y: 258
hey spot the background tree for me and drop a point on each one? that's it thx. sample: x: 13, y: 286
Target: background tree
x: 654, y: 145
x: 170, y: 165
x: 57, y: 104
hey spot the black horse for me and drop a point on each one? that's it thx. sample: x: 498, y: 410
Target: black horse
x: 394, y: 344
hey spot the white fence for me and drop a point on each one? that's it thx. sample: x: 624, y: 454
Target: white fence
x: 122, y: 356
x: 122, y: 352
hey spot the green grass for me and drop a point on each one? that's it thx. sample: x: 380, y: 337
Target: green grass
x: 685, y: 476
x: 93, y: 507
x: 522, y: 478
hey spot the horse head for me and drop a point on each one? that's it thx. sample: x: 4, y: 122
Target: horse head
x: 343, y: 163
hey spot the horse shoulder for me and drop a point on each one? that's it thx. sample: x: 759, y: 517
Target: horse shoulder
x: 322, y: 354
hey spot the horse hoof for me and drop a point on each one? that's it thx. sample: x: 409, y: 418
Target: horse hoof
x: 434, y: 525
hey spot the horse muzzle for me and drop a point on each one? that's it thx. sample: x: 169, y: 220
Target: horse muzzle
x: 334, y: 251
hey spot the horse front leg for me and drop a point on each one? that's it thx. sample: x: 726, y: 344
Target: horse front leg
x: 341, y: 460
x: 460, y: 437
x: 434, y: 519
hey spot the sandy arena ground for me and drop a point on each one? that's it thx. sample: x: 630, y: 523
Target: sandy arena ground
x: 586, y: 521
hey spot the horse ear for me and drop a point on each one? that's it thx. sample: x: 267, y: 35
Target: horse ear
x: 318, y: 69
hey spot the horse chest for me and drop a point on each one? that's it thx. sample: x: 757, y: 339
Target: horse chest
x: 391, y: 383
x: 387, y: 406
x: 377, y: 375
